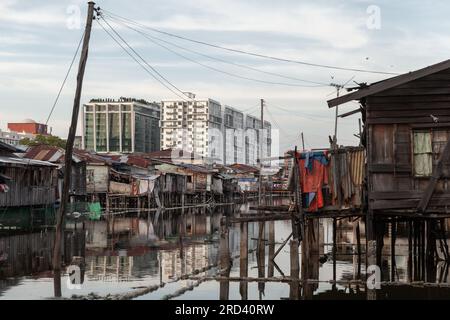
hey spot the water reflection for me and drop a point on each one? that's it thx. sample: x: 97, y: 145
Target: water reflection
x: 199, y: 254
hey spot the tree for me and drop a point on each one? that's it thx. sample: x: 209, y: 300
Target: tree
x: 44, y: 139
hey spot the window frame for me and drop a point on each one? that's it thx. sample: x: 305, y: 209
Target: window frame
x: 431, y: 131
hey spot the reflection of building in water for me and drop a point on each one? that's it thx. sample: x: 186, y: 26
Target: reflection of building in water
x: 121, y: 267
x: 195, y: 257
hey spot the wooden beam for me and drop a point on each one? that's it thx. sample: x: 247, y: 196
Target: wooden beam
x: 349, y: 113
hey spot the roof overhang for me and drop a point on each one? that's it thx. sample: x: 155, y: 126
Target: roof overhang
x: 389, y: 83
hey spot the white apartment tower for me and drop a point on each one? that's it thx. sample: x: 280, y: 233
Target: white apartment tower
x: 218, y: 134
x: 253, y: 137
x: 193, y: 125
x: 234, y: 135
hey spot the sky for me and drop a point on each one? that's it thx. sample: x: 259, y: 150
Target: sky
x: 38, y: 40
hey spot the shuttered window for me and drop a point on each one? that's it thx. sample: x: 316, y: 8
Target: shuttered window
x: 428, y: 146
x: 423, y: 154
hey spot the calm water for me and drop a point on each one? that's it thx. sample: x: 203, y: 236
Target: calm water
x: 130, y: 253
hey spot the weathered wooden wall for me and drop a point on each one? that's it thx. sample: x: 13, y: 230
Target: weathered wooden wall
x: 29, y: 186
x: 391, y: 117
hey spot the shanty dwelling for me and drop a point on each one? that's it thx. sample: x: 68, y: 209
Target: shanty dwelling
x: 247, y: 177
x: 97, y: 172
x: 28, y: 190
x: 407, y: 130
x: 406, y: 136
x: 131, y: 185
x: 55, y: 155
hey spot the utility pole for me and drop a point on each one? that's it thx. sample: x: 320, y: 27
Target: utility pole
x: 303, y: 141
x: 338, y: 88
x: 68, y: 154
x: 260, y: 153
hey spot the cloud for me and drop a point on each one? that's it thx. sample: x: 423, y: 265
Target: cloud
x: 36, y: 48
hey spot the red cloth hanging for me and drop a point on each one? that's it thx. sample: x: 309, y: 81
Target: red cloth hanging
x: 312, y: 181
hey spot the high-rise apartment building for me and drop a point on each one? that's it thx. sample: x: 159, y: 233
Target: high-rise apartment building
x: 253, y: 136
x: 220, y: 134
x: 234, y: 135
x: 194, y: 125
x: 125, y: 125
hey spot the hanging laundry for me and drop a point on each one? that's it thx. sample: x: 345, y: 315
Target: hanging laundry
x: 95, y: 210
x: 313, y: 176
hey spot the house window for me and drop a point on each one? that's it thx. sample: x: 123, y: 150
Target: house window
x: 427, y: 148
x: 423, y: 155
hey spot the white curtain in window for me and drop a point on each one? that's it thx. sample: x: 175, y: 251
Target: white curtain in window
x: 423, y: 164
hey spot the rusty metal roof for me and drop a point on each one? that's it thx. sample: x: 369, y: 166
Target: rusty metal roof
x: 49, y: 153
x: 244, y: 168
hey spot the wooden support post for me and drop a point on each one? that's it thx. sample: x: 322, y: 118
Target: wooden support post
x: 261, y: 258
x: 371, y: 249
x: 393, y: 238
x: 68, y: 154
x: 294, y: 292
x: 243, y: 260
x: 410, y: 251
x: 270, y: 264
x: 358, y: 246
x: 310, y: 258
x: 224, y: 259
x: 357, y: 250
x: 334, y: 252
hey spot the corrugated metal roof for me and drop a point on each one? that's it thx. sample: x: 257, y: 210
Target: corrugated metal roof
x: 48, y: 153
x: 244, y: 168
x: 24, y: 162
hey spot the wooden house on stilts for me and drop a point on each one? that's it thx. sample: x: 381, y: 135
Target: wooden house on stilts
x: 407, y: 140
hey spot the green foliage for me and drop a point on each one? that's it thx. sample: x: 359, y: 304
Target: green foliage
x: 44, y: 139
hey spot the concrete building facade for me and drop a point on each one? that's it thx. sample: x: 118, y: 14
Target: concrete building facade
x: 28, y: 126
x: 234, y: 135
x: 194, y: 126
x: 123, y: 126
x: 220, y: 134
x: 253, y: 136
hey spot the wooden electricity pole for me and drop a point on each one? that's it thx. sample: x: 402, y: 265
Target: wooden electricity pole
x: 68, y: 155
x: 338, y: 87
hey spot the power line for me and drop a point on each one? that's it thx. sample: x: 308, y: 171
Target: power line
x: 218, y: 59
x: 222, y: 71
x: 138, y: 62
x: 301, y: 114
x: 146, y: 63
x: 276, y: 122
x: 65, y: 79
x: 252, y: 53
